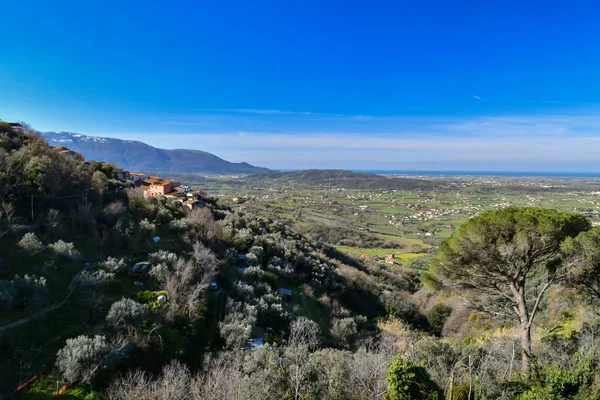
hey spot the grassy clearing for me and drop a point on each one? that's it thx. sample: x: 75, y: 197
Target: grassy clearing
x: 408, y: 242
x: 400, y: 254
x: 47, y: 387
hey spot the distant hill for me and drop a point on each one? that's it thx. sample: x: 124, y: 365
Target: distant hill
x: 138, y: 156
x: 344, y: 178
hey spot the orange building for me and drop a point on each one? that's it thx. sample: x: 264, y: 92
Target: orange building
x: 155, y: 186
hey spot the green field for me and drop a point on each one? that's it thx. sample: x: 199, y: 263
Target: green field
x: 399, y: 254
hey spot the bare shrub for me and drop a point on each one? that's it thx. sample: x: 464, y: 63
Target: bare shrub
x: 172, y: 384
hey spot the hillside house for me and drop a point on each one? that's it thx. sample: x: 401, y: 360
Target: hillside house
x: 138, y: 176
x: 200, y: 195
x: 182, y: 188
x: 176, y: 195
x: 16, y: 126
x: 63, y: 151
x: 121, y: 174
x: 192, y: 204
x: 155, y: 186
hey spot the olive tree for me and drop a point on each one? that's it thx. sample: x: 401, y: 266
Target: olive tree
x: 506, y: 260
x: 79, y: 359
x: 126, y: 312
x: 99, y: 181
x: 65, y: 250
x: 31, y: 244
x: 236, y: 327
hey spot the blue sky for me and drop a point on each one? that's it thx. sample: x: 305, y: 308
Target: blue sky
x: 471, y: 85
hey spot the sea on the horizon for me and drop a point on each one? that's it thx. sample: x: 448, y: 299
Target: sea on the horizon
x: 486, y: 173
x: 474, y: 173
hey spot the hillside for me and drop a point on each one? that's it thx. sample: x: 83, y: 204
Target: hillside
x: 139, y: 156
x: 217, y: 281
x: 120, y: 295
x: 344, y: 178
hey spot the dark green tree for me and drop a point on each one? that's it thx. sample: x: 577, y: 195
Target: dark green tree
x: 582, y: 254
x: 410, y: 381
x: 437, y: 317
x: 504, y: 262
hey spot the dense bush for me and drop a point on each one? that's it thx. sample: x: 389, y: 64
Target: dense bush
x: 95, y: 278
x: 126, y: 312
x: 236, y: 327
x: 147, y: 228
x: 556, y: 383
x: 31, y: 244
x: 114, y: 265
x: 408, y: 380
x: 65, y: 250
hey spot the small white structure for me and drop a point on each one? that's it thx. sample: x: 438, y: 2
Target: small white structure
x: 162, y: 299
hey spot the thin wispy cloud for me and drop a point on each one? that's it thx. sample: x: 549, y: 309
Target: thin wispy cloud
x: 260, y: 111
x: 476, y: 97
x: 253, y: 111
x: 405, y: 143
x: 180, y: 123
x: 270, y: 112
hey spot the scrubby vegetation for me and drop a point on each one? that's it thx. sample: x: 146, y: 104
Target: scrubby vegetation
x: 233, y: 304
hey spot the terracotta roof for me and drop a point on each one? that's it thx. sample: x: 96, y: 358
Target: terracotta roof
x: 158, y: 181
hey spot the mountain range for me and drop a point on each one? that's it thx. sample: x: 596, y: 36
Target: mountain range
x: 139, y: 156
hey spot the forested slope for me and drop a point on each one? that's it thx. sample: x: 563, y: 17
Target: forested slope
x: 233, y: 306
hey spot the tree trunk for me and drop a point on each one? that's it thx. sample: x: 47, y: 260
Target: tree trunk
x: 525, y: 331
x: 526, y: 349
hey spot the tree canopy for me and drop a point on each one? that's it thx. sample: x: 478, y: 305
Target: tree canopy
x: 507, y: 259
x: 582, y: 254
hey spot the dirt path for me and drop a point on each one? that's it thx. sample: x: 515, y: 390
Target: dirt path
x: 72, y: 287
